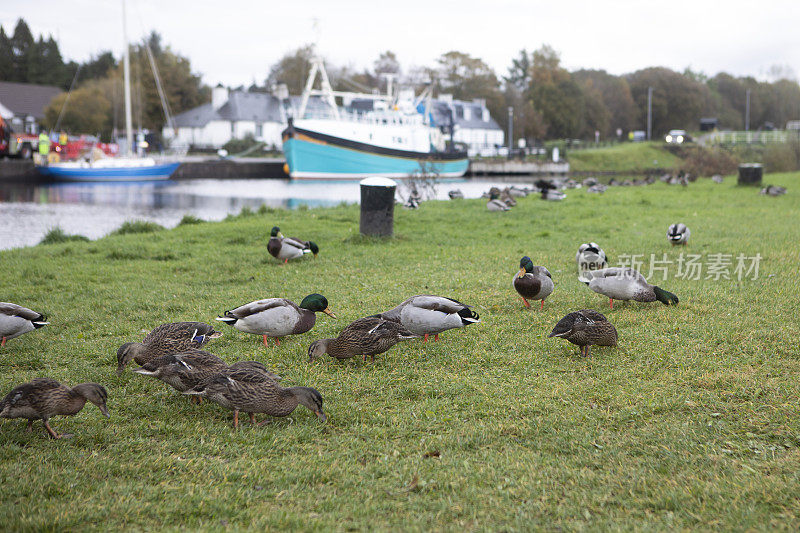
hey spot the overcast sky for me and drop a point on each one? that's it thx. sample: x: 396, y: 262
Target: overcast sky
x: 236, y: 41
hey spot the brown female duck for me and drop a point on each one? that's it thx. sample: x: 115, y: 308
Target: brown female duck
x: 366, y: 336
x: 165, y: 339
x: 43, y: 398
x: 585, y: 328
x: 237, y: 393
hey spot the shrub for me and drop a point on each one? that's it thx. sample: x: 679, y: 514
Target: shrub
x: 236, y: 146
x: 57, y: 235
x: 784, y: 157
x: 190, y: 219
x: 137, y: 226
x: 699, y: 161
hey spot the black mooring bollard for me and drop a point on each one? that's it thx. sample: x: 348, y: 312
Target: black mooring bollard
x: 750, y: 174
x: 377, y: 206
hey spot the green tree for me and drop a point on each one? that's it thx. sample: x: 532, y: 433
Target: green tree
x: 21, y: 44
x: 87, y: 111
x: 292, y: 69
x: 519, y: 73
x: 616, y: 98
x: 678, y: 101
x: 555, y: 95
x: 6, y: 57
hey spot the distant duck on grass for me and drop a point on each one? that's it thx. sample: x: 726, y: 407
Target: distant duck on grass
x: 16, y: 320
x: 277, y: 317
x: 532, y: 282
x: 286, y: 248
x: 44, y: 398
x: 678, y: 234
x: 627, y: 284
x: 495, y: 204
x: 426, y: 315
x: 368, y: 336
x: 586, y: 328
x: 166, y: 339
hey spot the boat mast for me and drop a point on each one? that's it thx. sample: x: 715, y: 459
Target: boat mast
x: 126, y: 74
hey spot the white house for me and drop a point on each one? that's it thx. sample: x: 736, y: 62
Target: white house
x: 230, y: 115
x: 472, y: 124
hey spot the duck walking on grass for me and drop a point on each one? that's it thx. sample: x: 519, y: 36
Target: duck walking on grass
x: 277, y: 317
x: 16, y: 320
x: 186, y: 370
x: 678, y: 234
x: 533, y: 282
x: 166, y: 339
x: 366, y: 336
x: 253, y: 397
x: 627, y: 284
x: 426, y: 315
x: 44, y: 398
x: 586, y: 328
x: 286, y: 248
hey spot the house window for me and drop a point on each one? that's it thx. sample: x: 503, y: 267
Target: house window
x: 259, y: 130
x: 233, y: 129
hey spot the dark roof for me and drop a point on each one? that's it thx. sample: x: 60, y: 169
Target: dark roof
x: 25, y: 99
x: 441, y: 112
x: 241, y: 105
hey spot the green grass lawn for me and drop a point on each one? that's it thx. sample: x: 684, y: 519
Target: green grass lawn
x: 623, y: 158
x: 693, y: 421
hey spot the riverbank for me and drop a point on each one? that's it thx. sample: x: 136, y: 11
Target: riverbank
x: 690, y: 423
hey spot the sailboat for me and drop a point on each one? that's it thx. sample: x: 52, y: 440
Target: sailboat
x: 393, y: 138
x: 125, y: 168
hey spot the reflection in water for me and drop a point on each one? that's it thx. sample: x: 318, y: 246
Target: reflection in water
x: 28, y: 212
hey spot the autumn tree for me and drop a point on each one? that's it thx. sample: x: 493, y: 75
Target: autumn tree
x: 616, y: 98
x: 555, y: 95
x: 678, y: 101
x: 87, y: 109
x: 292, y: 69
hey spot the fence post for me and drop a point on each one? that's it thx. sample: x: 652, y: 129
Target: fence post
x: 377, y: 207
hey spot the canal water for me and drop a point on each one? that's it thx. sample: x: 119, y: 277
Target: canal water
x: 29, y: 211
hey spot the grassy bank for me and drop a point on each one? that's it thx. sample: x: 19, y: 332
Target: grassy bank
x: 691, y: 422
x: 623, y: 158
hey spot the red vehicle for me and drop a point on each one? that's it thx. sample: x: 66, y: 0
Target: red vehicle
x: 81, y: 146
x: 21, y: 145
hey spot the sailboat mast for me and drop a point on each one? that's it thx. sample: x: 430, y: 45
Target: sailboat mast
x: 126, y: 73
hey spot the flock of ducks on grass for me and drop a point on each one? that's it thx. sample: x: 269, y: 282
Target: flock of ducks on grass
x: 174, y: 353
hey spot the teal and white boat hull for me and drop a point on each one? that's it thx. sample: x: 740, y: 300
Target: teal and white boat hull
x: 314, y: 155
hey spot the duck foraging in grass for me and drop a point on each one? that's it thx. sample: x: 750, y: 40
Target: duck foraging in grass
x: 533, y: 282
x: 678, y: 234
x: 166, y: 339
x: 590, y: 257
x: 627, y: 284
x: 44, y: 398
x: 258, y: 397
x: 426, y: 315
x: 586, y: 328
x: 286, y: 248
x: 366, y: 336
x: 277, y: 317
x: 16, y: 320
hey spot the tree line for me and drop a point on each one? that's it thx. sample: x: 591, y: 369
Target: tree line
x: 549, y: 102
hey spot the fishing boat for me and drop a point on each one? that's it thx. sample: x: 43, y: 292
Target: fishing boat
x: 124, y: 168
x: 393, y: 136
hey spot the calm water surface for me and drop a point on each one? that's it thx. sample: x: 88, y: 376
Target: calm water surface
x: 28, y: 212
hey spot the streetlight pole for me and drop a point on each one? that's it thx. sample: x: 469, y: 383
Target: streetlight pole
x: 747, y: 111
x: 649, y: 113
x: 510, y: 128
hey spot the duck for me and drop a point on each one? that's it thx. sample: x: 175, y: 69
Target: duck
x: 590, y: 257
x: 519, y: 192
x: 266, y: 396
x: 170, y: 338
x: 507, y: 198
x: 186, y: 370
x: 532, y: 282
x: 597, y: 188
x: 44, y: 398
x: 553, y: 195
x: 717, y: 178
x: 495, y: 204
x: 367, y: 336
x: 591, y: 181
x: 16, y: 320
x: 286, y: 248
x: 773, y: 190
x: 678, y: 234
x: 585, y: 328
x: 277, y: 317
x: 627, y: 284
x: 426, y: 314
x: 456, y: 194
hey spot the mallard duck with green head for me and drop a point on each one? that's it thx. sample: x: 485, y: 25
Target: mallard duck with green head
x: 277, y: 317
x: 253, y: 397
x: 586, y: 328
x: 626, y: 284
x: 166, y: 339
x: 368, y: 336
x: 44, y: 398
x: 286, y: 248
x: 533, y: 282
